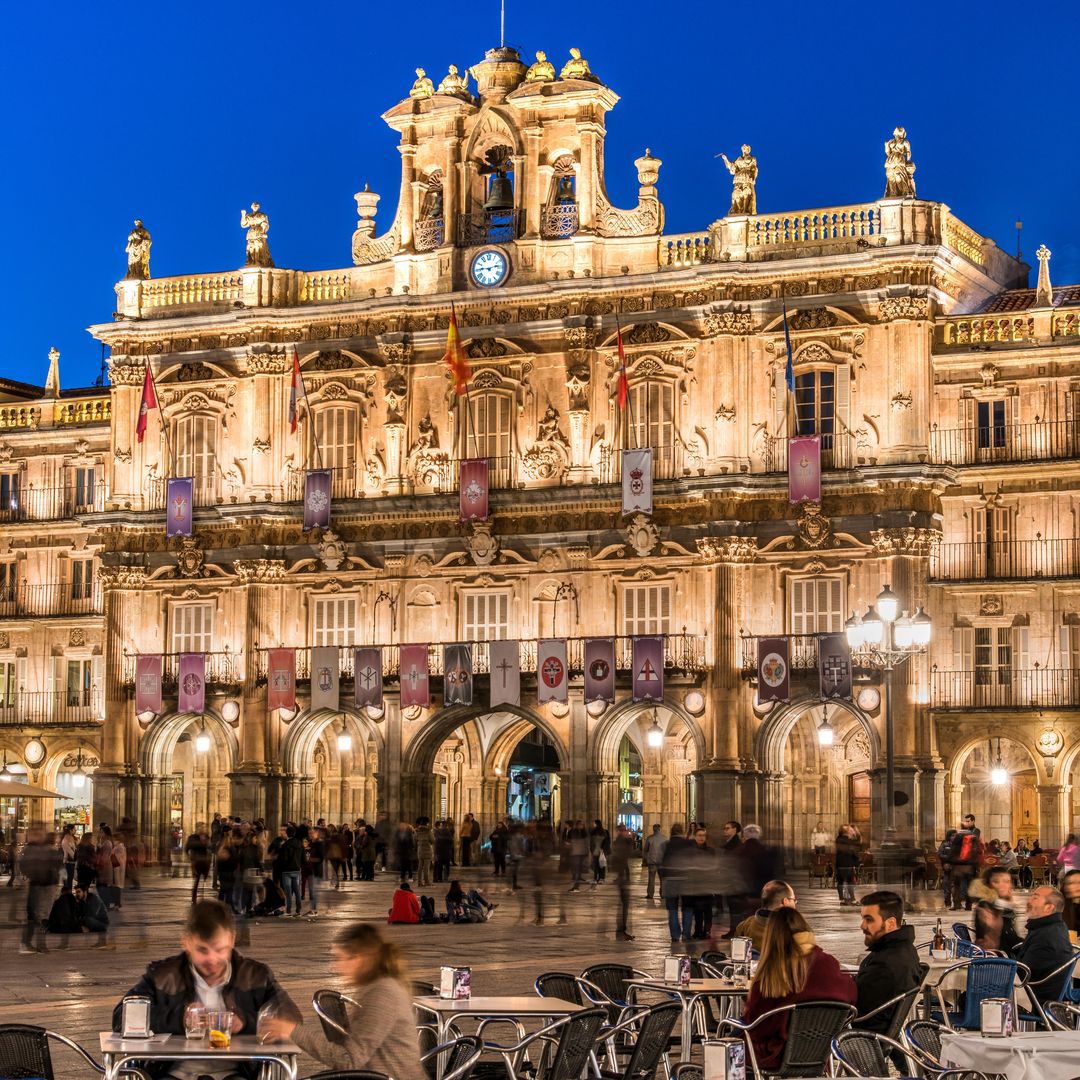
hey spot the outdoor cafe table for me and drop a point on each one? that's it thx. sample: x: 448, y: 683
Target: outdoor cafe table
x: 690, y: 994
x: 117, y: 1052
x: 1026, y: 1055
x: 956, y: 981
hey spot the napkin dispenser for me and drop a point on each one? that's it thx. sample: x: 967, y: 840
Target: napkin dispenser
x: 725, y: 1059
x: 455, y: 983
x: 741, y: 948
x: 135, y: 1018
x: 996, y: 1018
x: 677, y: 969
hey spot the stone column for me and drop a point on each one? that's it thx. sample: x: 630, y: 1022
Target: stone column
x: 405, y: 200
x: 931, y: 806
x: 451, y: 189
x: 1053, y: 814
x: 588, y: 177
x: 124, y: 464
x: 604, y: 804
x: 391, y: 782
x: 532, y: 195
x: 575, y: 792
x: 267, y: 369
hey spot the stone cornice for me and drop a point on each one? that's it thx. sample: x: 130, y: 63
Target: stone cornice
x: 122, y: 577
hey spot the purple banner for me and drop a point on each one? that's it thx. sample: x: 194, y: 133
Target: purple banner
x: 457, y: 675
x: 600, y: 670
x: 317, y: 499
x: 192, y: 683
x: 804, y: 469
x: 179, y: 499
x: 834, y: 666
x: 414, y: 676
x: 774, y: 671
x: 147, y: 684
x: 505, y: 673
x: 367, y: 673
x: 473, y: 496
x: 648, y: 669
x: 551, y: 677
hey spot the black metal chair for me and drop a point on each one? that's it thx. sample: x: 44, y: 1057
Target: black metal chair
x: 25, y: 1053
x: 330, y: 1008
x: 462, y: 1056
x: 923, y: 1037
x: 565, y: 1049
x: 898, y: 1009
x: 612, y: 980
x: 559, y: 984
x: 812, y: 1026
x: 686, y: 1070
x: 650, y: 1036
x: 866, y: 1053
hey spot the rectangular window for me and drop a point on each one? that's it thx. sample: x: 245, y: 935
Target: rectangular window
x: 82, y: 578
x: 990, y: 427
x: 9, y: 575
x: 196, y: 455
x: 334, y: 620
x: 491, y: 436
x: 9, y: 495
x: 335, y: 431
x: 816, y: 605
x: 646, y: 610
x: 192, y: 628
x: 652, y: 413
x: 84, y: 490
x: 79, y: 680
x: 7, y: 684
x: 815, y: 404
x: 485, y: 616
x: 993, y: 655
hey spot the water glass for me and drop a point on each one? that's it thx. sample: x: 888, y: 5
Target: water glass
x: 194, y: 1022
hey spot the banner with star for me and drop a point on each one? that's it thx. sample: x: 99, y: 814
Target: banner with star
x: 473, y: 489
x: 551, y: 680
x: 505, y: 673
x: 637, y: 481
x: 191, y: 683
x: 457, y: 675
x: 648, y: 669
x: 367, y: 677
x: 147, y: 684
x: 179, y: 506
x: 324, y: 677
x: 414, y: 676
x: 600, y: 670
x: 317, y: 499
x: 804, y: 469
x: 834, y: 666
x: 774, y: 670
x: 281, y: 679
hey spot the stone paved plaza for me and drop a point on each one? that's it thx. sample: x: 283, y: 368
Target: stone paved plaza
x: 73, y: 991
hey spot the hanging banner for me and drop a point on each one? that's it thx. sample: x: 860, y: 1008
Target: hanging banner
x: 505, y: 673
x: 191, y: 683
x: 774, y: 673
x: 317, y: 499
x: 179, y: 501
x: 834, y: 666
x: 281, y: 679
x: 804, y: 469
x: 473, y: 490
x: 636, y: 482
x: 324, y: 677
x: 367, y: 676
x: 551, y: 680
x: 147, y: 684
x: 414, y: 676
x: 600, y: 670
x: 457, y: 675
x: 648, y: 669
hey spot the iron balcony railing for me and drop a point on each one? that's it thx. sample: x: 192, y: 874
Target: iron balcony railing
x: 837, y: 452
x: 559, y: 221
x: 1005, y: 688
x: 205, y: 491
x: 1003, y: 560
x: 26, y: 601
x: 1056, y: 440
x: 802, y: 653
x: 223, y: 670
x: 40, y: 708
x: 429, y: 233
x: 684, y: 654
x: 488, y: 227
x: 30, y: 503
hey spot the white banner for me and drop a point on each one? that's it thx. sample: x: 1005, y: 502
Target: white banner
x: 551, y: 681
x: 324, y: 677
x: 505, y: 673
x: 636, y: 482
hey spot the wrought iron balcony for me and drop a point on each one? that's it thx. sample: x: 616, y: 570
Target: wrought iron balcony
x: 65, y: 598
x: 559, y: 221
x: 837, y: 452
x: 1004, y: 560
x: 205, y: 492
x: 429, y: 233
x: 1005, y: 688
x: 44, y: 708
x: 32, y: 503
x: 224, y: 670
x: 999, y: 444
x: 488, y: 227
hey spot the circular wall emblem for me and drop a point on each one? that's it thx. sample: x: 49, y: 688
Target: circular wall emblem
x: 869, y: 698
x: 489, y: 268
x: 599, y: 670
x: 552, y: 672
x: 773, y: 669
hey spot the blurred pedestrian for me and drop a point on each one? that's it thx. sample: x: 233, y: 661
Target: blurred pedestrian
x: 653, y: 854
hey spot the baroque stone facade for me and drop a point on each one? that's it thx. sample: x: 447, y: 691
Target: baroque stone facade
x: 949, y: 485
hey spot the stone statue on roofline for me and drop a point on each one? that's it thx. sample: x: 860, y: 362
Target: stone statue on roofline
x: 257, y: 225
x: 577, y: 67
x: 454, y: 83
x: 542, y: 71
x: 744, y: 170
x: 423, y: 87
x: 138, y: 252
x: 899, y: 168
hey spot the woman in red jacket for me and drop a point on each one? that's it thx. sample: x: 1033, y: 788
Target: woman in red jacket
x: 792, y: 968
x: 405, y: 906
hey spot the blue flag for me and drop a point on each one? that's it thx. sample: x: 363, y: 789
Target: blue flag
x: 789, y: 370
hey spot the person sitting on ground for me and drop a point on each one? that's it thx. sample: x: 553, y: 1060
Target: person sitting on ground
x: 405, y: 905
x: 1047, y: 945
x: 792, y: 968
x: 208, y: 972
x: 471, y: 906
x: 273, y: 901
x: 994, y: 913
x: 776, y: 894
x: 380, y: 1022
x: 76, y: 911
x: 892, y: 965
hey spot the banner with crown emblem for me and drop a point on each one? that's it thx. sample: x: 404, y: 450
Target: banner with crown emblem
x: 551, y: 671
x: 473, y: 495
x: 834, y: 666
x: 191, y: 683
x: 774, y: 670
x: 648, y: 669
x: 804, y: 469
x: 414, y: 676
x: 637, y: 482
x: 324, y: 677
x: 505, y: 673
x: 147, y: 684
x: 367, y: 676
x: 600, y: 670
x: 179, y: 506
x: 281, y: 679
x: 317, y: 483
x: 457, y: 675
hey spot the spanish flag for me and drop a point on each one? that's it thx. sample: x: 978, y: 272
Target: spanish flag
x: 455, y: 358
x: 623, y: 389
x: 148, y: 402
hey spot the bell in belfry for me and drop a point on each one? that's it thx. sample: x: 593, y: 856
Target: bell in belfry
x: 500, y: 194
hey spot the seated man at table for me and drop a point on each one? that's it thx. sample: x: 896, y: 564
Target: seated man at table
x: 209, y: 972
x: 76, y: 911
x: 776, y: 894
x: 891, y: 967
x: 1047, y: 945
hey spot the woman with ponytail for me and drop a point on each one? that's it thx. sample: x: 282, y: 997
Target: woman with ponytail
x: 382, y: 1028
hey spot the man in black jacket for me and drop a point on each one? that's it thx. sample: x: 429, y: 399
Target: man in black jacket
x: 209, y: 972
x: 1047, y: 945
x: 892, y: 966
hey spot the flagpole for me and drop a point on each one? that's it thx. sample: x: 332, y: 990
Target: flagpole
x: 629, y: 398
x: 161, y: 420
x: 314, y: 430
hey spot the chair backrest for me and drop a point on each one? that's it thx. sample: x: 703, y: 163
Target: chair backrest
x: 715, y: 958
x: 329, y: 1007
x: 968, y: 949
x: 576, y: 1039
x: 24, y: 1052
x: 861, y: 1053
x: 903, y: 1008
x: 961, y: 931
x: 925, y: 1036
x: 1061, y: 1015
x: 653, y: 1034
x: 811, y: 1030
x: 559, y: 984
x: 987, y: 977
x: 686, y: 1070
x: 1066, y: 991
x: 462, y: 1054
x: 611, y: 979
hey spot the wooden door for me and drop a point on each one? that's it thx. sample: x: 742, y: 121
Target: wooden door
x: 859, y: 801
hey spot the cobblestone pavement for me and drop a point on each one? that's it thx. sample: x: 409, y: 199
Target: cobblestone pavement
x: 74, y: 991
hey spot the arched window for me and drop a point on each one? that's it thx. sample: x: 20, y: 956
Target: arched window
x: 336, y: 429
x: 822, y: 407
x: 489, y: 433
x: 652, y: 422
x: 561, y: 209
x: 195, y: 447
x: 430, y: 230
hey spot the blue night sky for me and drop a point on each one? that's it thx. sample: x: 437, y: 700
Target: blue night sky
x: 183, y: 114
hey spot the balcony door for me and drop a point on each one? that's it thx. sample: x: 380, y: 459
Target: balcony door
x: 336, y: 429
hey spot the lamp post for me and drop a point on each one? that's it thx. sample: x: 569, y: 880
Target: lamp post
x: 885, y: 642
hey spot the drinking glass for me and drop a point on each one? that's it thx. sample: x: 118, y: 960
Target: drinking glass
x: 194, y: 1022
x: 220, y: 1023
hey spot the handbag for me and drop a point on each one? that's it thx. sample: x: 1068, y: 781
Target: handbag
x: 601, y: 860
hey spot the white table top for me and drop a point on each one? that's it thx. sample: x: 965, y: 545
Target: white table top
x: 177, y: 1047
x: 1026, y: 1055
x: 694, y: 986
x: 501, y: 1006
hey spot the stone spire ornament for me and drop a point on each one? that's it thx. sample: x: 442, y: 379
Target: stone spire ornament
x: 52, y: 380
x: 1044, y: 293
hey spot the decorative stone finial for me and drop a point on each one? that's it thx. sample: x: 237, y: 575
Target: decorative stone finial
x: 52, y: 380
x: 648, y: 169
x: 1044, y: 294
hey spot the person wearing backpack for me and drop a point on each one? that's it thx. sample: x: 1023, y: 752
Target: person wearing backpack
x: 966, y: 853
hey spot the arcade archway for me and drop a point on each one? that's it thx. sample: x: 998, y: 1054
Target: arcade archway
x: 998, y: 781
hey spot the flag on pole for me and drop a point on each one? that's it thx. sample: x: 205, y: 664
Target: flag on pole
x: 317, y: 490
x: 791, y: 412
x: 505, y: 673
x: 149, y: 401
x: 296, y: 392
x: 148, y: 684
x: 804, y: 469
x: 834, y: 666
x: 637, y: 481
x: 457, y: 675
x: 600, y: 670
x: 324, y: 677
x: 179, y: 500
x: 414, y: 676
x: 281, y: 679
x: 367, y: 675
x: 623, y: 390
x: 774, y: 672
x: 192, y: 683
x: 455, y: 358
x: 551, y: 671
x: 473, y: 493
x: 648, y: 669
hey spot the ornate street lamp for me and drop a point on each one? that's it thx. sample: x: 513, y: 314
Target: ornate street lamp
x: 202, y: 741
x: 999, y: 775
x: 78, y: 776
x: 655, y: 735
x: 825, y: 733
x: 344, y: 739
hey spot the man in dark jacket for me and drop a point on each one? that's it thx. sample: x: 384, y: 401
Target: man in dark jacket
x: 1046, y: 946
x: 892, y: 966
x: 209, y: 972
x: 676, y: 871
x: 77, y: 911
x: 40, y: 864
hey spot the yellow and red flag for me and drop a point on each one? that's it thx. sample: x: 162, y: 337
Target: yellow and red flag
x: 149, y: 401
x: 455, y: 358
x: 623, y: 392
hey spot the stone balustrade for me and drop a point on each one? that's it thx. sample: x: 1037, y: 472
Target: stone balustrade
x: 685, y: 249
x: 987, y: 329
x: 95, y: 410
x: 814, y: 226
x: 13, y: 417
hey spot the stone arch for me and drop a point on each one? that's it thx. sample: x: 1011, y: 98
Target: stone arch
x: 955, y: 766
x: 772, y: 735
x: 298, y: 746
x: 62, y: 747
x: 618, y: 720
x: 159, y: 740
x: 493, y: 127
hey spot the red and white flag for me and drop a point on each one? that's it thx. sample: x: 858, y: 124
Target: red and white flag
x: 551, y: 671
x: 149, y: 401
x: 623, y: 390
x: 296, y: 393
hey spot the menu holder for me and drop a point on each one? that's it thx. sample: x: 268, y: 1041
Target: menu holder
x: 455, y: 983
x: 996, y: 1018
x: 724, y: 1059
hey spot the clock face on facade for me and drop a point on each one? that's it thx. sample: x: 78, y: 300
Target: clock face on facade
x: 489, y: 268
